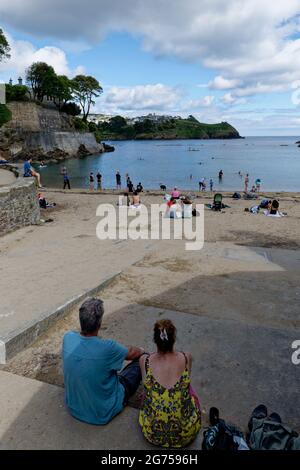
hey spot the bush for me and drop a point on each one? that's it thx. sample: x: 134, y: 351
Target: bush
x: 71, y: 108
x: 16, y: 93
x: 5, y: 114
x: 80, y: 125
x: 93, y: 127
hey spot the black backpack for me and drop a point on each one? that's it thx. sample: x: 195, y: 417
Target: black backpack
x: 219, y: 437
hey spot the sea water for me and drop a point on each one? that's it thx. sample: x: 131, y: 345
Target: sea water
x: 182, y: 163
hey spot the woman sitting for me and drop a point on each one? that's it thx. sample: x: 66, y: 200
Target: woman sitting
x: 170, y: 414
x: 173, y: 210
x: 136, y: 200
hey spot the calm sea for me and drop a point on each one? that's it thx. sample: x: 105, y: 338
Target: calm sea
x: 275, y: 160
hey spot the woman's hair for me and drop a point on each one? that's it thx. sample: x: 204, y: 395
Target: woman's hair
x: 164, y: 335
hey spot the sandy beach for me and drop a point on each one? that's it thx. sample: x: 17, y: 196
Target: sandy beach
x: 235, y: 302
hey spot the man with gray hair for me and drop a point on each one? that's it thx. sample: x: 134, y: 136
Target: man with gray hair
x: 94, y: 389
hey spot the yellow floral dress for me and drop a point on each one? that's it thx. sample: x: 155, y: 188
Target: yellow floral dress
x: 169, y: 417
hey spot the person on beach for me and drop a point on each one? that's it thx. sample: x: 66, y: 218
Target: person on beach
x: 258, y: 184
x: 94, y: 390
x: 170, y: 416
x: 130, y: 186
x: 211, y: 185
x: 139, y: 188
x: 99, y: 180
x: 66, y: 179
x: 136, y: 200
x: 246, y: 183
x: 92, y: 180
x: 118, y: 180
x: 175, y: 193
x: 202, y: 184
x: 29, y: 171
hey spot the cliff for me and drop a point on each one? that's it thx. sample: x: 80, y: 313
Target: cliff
x: 43, y: 133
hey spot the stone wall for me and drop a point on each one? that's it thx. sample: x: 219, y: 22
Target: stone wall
x: 44, y: 134
x: 18, y: 205
x: 30, y: 117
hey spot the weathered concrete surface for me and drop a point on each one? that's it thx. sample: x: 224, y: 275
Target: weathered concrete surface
x: 33, y: 416
x: 19, y: 205
x: 6, y: 177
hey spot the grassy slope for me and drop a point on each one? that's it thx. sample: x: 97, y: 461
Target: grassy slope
x: 182, y: 129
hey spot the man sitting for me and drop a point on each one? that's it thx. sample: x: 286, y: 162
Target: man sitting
x: 29, y: 172
x: 94, y: 391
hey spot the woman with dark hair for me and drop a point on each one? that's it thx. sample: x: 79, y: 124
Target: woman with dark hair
x: 170, y: 414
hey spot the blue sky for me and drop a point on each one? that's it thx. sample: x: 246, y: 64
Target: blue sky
x: 218, y: 60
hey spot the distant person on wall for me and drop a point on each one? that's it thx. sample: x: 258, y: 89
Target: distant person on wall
x: 92, y: 181
x: 99, y: 180
x: 30, y: 172
x: 118, y: 180
x: 95, y: 391
x: 246, y: 182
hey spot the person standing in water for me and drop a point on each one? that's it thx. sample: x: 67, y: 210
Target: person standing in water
x: 66, y: 178
x: 211, y: 185
x: 118, y: 180
x: 246, y: 182
x: 92, y: 179
x: 99, y: 180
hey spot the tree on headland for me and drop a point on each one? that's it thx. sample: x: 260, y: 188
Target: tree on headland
x: 4, y: 47
x: 41, y: 79
x: 85, y: 89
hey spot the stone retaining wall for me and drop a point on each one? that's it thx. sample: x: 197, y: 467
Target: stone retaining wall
x: 18, y: 205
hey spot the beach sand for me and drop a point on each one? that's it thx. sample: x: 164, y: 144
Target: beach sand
x: 235, y: 302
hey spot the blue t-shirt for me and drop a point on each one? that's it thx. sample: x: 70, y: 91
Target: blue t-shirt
x: 93, y: 392
x: 27, y: 169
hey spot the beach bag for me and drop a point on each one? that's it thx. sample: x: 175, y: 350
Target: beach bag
x: 223, y: 436
x: 236, y: 196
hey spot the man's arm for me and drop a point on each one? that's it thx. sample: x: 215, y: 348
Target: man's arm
x: 134, y: 353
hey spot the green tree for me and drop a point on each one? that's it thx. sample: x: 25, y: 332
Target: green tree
x: 16, y: 92
x: 61, y: 90
x: 116, y: 124
x: 41, y: 77
x: 85, y: 89
x: 4, y: 47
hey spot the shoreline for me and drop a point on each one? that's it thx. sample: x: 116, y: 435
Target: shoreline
x: 157, y: 192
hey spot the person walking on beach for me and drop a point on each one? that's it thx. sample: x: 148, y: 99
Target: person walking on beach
x: 66, y: 178
x: 99, y: 180
x: 92, y: 180
x: 118, y: 180
x: 246, y: 182
x: 95, y: 391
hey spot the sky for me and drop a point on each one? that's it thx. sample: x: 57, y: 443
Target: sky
x: 220, y: 60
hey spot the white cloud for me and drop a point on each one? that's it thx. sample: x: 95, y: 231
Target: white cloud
x: 156, y: 97
x: 221, y: 83
x: 24, y: 53
x: 245, y: 41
